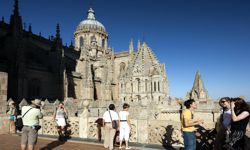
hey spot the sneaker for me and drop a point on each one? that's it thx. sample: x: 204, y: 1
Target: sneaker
x: 128, y: 147
x: 120, y: 147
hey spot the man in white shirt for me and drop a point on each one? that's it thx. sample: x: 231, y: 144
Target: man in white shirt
x: 109, y: 133
x: 31, y: 115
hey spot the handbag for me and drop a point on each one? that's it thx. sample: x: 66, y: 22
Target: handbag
x: 114, y: 123
x: 19, y: 121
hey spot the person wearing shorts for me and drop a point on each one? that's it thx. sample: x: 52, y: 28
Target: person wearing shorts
x: 30, y: 122
x: 59, y: 117
x: 12, y: 113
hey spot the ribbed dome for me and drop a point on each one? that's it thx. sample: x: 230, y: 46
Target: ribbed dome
x: 90, y: 22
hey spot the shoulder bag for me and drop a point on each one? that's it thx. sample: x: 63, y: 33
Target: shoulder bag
x: 114, y: 122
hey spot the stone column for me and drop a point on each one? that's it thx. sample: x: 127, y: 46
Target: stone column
x: 83, y: 120
x: 4, y: 119
x: 142, y: 127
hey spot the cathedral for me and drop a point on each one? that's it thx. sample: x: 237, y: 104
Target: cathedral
x: 44, y: 68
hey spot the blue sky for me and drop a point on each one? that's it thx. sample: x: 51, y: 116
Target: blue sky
x: 186, y: 35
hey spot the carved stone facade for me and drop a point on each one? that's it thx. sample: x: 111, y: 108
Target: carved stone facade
x: 131, y: 76
x: 90, y: 70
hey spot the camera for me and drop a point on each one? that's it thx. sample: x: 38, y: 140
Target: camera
x: 36, y: 127
x: 232, y: 100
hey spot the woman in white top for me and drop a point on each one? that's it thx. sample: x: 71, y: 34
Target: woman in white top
x: 109, y: 132
x: 59, y: 117
x: 124, y: 125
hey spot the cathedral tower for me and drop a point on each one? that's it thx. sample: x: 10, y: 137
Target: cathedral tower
x: 90, y: 31
x: 198, y: 91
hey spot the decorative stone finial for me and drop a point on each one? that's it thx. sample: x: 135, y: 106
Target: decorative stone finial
x: 30, y: 28
x: 58, y: 31
x: 91, y: 14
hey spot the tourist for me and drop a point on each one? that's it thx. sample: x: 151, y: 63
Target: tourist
x: 223, y: 123
x: 109, y: 132
x: 125, y: 125
x: 240, y: 119
x: 60, y: 115
x: 188, y: 124
x: 99, y: 124
x: 12, y: 117
x: 31, y: 115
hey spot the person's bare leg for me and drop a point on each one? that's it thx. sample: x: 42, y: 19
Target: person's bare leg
x: 13, y: 127
x: 126, y: 142
x: 23, y: 147
x: 30, y: 147
x: 63, y: 130
x: 120, y: 143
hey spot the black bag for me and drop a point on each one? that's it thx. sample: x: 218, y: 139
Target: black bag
x: 114, y: 123
x: 37, y: 127
x: 19, y: 121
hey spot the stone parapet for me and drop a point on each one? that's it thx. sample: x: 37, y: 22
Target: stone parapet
x: 3, y: 92
x: 4, y: 124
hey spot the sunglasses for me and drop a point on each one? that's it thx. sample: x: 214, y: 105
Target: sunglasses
x: 223, y: 102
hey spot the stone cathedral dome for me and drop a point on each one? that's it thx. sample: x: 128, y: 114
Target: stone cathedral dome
x: 91, y: 23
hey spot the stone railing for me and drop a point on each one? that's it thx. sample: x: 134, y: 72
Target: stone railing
x: 163, y: 128
x: 49, y: 126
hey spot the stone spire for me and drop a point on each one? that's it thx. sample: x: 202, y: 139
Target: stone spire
x: 58, y: 40
x: 138, y: 45
x: 30, y: 28
x: 198, y: 82
x: 198, y: 91
x: 131, y: 47
x: 16, y: 21
x: 58, y: 31
x: 71, y: 45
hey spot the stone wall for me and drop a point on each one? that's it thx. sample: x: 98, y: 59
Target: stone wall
x: 3, y: 92
x: 163, y: 128
x: 4, y: 124
x: 4, y: 119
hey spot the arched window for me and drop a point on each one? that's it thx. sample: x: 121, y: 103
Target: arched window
x: 81, y: 44
x: 122, y: 67
x: 132, y: 87
x: 159, y: 89
x: 154, y: 86
x: 138, y: 84
x: 103, y: 43
x: 151, y: 87
x: 146, y: 85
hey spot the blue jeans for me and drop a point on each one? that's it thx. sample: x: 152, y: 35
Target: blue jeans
x: 189, y: 140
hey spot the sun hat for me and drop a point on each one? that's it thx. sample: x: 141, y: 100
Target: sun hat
x: 11, y: 102
x: 36, y: 102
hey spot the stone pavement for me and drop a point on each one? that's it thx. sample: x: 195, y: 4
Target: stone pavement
x: 12, y: 142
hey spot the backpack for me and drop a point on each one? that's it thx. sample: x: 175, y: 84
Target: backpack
x: 19, y: 121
